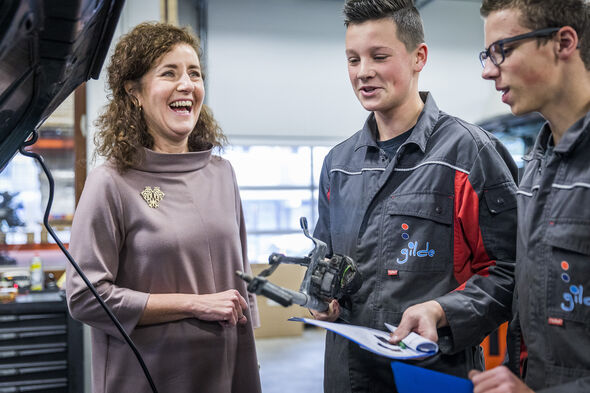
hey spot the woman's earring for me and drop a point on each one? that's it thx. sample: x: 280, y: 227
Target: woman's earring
x: 135, y: 102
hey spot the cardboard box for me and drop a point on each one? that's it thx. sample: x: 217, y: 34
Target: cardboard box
x: 274, y: 317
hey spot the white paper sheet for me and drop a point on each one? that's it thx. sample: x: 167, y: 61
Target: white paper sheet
x: 377, y: 341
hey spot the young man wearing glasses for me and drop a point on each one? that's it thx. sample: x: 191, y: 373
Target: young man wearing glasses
x: 538, y: 55
x: 423, y: 201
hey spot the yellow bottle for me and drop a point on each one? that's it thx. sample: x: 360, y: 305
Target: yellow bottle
x: 37, y: 276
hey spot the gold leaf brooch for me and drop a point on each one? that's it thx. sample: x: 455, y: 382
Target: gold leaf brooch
x: 152, y: 197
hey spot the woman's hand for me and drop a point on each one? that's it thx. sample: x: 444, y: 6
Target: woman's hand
x: 329, y: 315
x: 226, y: 307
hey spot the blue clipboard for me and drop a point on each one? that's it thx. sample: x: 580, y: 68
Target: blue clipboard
x: 412, y: 379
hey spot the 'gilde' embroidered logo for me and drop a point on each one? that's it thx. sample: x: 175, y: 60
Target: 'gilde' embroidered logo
x: 412, y: 249
x: 576, y: 293
x: 575, y: 297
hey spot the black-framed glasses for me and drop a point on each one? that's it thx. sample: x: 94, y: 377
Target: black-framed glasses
x: 495, y: 52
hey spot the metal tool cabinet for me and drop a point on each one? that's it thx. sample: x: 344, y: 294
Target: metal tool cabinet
x: 41, y: 347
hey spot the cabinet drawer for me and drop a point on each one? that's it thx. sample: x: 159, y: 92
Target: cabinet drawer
x: 49, y: 385
x: 33, y: 335
x: 22, y: 351
x: 11, y: 321
x: 9, y: 370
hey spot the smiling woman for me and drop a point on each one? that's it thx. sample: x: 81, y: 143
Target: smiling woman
x: 159, y: 230
x: 125, y: 128
x: 171, y: 95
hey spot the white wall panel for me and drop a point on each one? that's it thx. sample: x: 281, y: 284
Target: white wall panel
x: 277, y: 69
x: 454, y: 34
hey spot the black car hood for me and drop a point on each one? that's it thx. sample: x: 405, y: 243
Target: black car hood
x: 47, y: 49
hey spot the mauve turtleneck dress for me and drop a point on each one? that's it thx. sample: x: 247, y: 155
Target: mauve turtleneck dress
x: 193, y: 242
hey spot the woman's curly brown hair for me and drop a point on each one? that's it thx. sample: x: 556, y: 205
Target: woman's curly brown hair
x: 123, y: 131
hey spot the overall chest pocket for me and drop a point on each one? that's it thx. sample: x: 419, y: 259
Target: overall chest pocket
x: 417, y: 232
x: 568, y: 270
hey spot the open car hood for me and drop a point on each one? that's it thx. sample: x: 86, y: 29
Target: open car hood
x: 47, y: 49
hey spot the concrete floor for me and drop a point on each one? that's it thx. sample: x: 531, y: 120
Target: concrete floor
x: 292, y: 364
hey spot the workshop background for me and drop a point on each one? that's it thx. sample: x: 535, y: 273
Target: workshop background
x: 277, y: 82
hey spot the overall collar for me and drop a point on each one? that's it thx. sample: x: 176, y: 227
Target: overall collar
x: 573, y: 135
x: 420, y: 134
x: 568, y: 142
